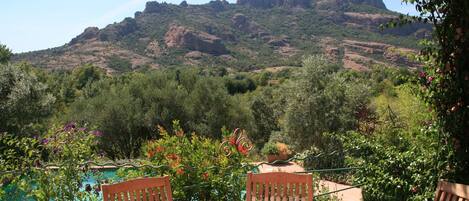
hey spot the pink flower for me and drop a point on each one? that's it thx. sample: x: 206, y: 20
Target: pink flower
x: 429, y: 79
x: 97, y: 133
x: 422, y: 74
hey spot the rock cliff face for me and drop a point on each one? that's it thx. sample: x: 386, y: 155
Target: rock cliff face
x: 89, y: 33
x: 117, y: 31
x: 275, y: 3
x: 374, y: 3
x: 155, y: 7
x: 182, y: 37
x: 321, y: 4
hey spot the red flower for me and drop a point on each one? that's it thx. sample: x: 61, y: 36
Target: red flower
x: 205, y: 176
x: 242, y: 149
x: 233, y: 140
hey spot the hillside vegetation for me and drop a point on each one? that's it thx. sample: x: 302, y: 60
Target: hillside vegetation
x: 244, y: 36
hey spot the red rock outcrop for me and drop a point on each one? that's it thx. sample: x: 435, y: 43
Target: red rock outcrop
x: 182, y: 37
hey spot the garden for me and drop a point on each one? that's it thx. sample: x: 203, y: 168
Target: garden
x: 394, y: 132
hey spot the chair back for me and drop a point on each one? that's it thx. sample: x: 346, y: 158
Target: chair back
x: 279, y: 186
x: 451, y: 191
x: 142, y: 189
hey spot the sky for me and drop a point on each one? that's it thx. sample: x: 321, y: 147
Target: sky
x: 28, y: 25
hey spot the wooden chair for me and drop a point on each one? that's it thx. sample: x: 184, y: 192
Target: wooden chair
x: 279, y: 186
x: 143, y: 189
x: 451, y: 191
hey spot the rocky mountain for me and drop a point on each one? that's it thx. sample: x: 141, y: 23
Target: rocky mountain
x: 248, y: 35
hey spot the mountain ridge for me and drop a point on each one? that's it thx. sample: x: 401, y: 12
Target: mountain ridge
x: 250, y: 34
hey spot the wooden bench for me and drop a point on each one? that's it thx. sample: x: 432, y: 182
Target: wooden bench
x: 447, y: 191
x: 143, y: 189
x: 279, y: 186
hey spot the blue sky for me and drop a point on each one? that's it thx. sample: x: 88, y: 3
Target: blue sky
x: 28, y: 25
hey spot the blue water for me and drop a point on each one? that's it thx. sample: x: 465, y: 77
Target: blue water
x: 91, y: 179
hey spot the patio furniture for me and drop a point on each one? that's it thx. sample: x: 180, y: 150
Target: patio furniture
x: 451, y: 191
x: 279, y: 186
x: 143, y: 189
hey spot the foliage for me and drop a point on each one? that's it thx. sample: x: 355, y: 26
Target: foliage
x: 319, y: 101
x: 68, y: 147
x: 391, y: 172
x: 445, y: 79
x: 239, y: 84
x: 5, y: 54
x: 276, y: 148
x: 199, y: 167
x: 265, y: 121
x: 85, y: 75
x: 18, y: 154
x: 119, y: 64
x: 25, y: 101
x: 403, y: 157
x: 270, y: 148
x: 128, y: 107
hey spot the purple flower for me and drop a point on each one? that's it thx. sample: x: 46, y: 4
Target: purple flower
x: 82, y: 129
x: 70, y: 126
x: 45, y: 141
x: 97, y: 133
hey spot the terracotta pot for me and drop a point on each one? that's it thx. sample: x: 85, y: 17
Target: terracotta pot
x: 273, y: 157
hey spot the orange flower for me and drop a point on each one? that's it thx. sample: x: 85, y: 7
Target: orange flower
x: 173, y: 157
x: 179, y: 133
x: 180, y: 171
x: 150, y: 154
x: 159, y: 149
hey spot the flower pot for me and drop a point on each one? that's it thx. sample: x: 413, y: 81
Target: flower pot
x: 273, y: 157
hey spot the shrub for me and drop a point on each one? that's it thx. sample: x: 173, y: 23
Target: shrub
x: 276, y: 148
x: 68, y: 148
x: 200, y: 168
x: 393, y: 173
x: 270, y: 148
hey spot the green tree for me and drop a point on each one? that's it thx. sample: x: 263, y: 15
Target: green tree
x: 24, y: 101
x: 320, y: 100
x: 445, y: 79
x: 5, y: 54
x: 129, y: 107
x: 265, y: 120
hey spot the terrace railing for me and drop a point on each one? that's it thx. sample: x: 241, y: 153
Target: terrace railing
x: 139, y: 164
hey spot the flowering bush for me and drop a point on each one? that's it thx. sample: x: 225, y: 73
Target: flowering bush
x: 200, y: 168
x: 67, y: 148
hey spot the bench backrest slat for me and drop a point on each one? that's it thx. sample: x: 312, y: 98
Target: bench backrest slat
x: 279, y: 186
x: 451, y: 191
x: 143, y: 189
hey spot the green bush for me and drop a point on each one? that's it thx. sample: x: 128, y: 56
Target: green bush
x: 200, y: 168
x: 68, y: 147
x: 25, y: 101
x: 397, y: 172
x: 320, y: 100
x: 128, y: 107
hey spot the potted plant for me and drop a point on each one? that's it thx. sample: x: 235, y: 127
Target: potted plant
x: 276, y: 151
